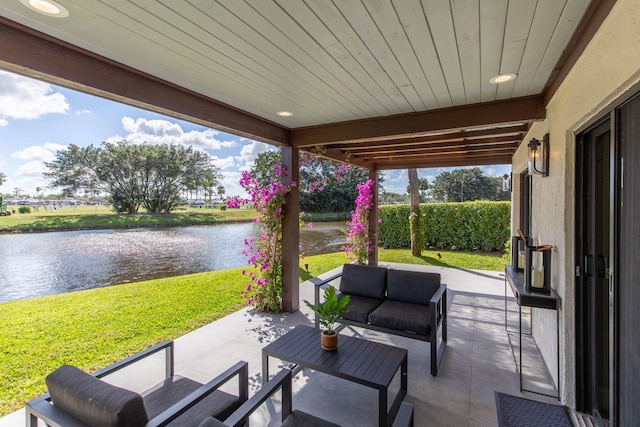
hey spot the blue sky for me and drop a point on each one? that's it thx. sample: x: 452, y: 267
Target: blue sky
x: 37, y: 119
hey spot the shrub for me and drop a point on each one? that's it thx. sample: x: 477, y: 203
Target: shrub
x: 469, y: 226
x: 24, y: 209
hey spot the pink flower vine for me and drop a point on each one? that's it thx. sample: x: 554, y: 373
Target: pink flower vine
x: 359, y: 244
x: 265, y: 252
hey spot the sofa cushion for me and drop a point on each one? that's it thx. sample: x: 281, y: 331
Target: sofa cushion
x: 402, y: 316
x: 93, y: 401
x: 364, y: 280
x: 360, y: 307
x: 411, y: 286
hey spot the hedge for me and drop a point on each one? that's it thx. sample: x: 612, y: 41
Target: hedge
x: 468, y: 226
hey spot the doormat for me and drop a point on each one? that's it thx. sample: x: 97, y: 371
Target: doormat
x: 514, y: 411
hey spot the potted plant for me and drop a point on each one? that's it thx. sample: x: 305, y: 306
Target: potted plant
x: 329, y: 312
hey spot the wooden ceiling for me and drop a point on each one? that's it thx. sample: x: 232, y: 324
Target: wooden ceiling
x: 383, y: 83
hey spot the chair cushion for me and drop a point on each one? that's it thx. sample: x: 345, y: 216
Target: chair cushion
x: 364, y: 280
x: 299, y: 418
x: 93, y: 401
x: 218, y: 404
x: 402, y: 316
x: 416, y: 287
x: 360, y: 307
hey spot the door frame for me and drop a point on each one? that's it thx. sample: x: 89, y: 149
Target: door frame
x: 586, y: 395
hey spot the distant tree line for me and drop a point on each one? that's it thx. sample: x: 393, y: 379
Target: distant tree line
x: 133, y: 175
x: 321, y: 189
x: 465, y: 185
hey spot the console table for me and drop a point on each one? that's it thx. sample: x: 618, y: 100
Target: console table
x: 530, y: 299
x: 364, y: 362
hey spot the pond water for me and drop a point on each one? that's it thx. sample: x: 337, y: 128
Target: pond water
x: 50, y: 263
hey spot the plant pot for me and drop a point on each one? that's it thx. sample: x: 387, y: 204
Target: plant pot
x: 329, y: 342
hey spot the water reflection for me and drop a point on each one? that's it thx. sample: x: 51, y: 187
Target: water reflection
x: 50, y: 263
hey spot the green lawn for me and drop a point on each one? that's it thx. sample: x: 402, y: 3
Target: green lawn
x: 94, y: 328
x: 101, y: 217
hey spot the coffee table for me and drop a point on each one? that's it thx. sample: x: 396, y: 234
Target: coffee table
x: 364, y: 362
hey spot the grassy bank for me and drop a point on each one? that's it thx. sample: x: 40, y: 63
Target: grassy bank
x: 101, y: 217
x: 94, y: 328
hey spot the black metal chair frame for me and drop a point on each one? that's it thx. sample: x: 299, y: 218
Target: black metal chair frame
x: 42, y: 408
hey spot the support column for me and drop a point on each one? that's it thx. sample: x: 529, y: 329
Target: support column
x: 373, y: 218
x: 291, y: 233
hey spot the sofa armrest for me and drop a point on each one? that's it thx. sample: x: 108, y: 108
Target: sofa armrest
x: 280, y: 381
x: 322, y: 284
x: 240, y: 369
x: 438, y: 305
x: 41, y: 408
x: 438, y: 320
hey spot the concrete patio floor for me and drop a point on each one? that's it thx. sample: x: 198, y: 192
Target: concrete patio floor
x: 478, y: 360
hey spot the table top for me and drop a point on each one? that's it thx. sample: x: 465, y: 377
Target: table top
x: 527, y: 298
x: 365, y: 362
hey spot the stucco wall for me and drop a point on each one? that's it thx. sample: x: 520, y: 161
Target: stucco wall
x: 608, y: 68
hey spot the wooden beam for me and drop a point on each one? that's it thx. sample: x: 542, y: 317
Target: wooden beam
x: 426, y: 153
x: 516, y: 110
x: 443, y: 146
x: 593, y: 17
x: 291, y: 233
x: 29, y: 52
x: 439, y: 137
x: 437, y: 163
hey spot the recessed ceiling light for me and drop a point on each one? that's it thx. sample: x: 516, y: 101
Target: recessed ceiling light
x: 502, y: 78
x: 284, y: 113
x: 46, y: 7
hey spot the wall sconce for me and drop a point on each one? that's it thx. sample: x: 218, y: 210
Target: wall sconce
x: 539, y: 156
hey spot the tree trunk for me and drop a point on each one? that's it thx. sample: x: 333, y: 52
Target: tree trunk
x: 415, y: 217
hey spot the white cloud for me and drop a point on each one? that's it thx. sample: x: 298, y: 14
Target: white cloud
x: 82, y: 112
x: 55, y: 147
x: 24, y: 98
x: 231, y: 182
x: 33, y: 153
x: 3, y: 122
x: 249, y: 152
x: 32, y: 169
x: 44, y: 153
x: 166, y: 132
x: 224, y: 163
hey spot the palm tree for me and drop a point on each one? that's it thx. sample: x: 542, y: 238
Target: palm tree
x: 38, y: 190
x: 3, y: 178
x: 221, y: 191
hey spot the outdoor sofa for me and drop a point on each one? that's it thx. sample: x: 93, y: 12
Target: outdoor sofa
x: 411, y: 304
x: 290, y: 417
x: 77, y: 399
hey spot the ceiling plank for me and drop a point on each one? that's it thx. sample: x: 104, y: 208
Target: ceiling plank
x: 516, y: 110
x: 29, y: 52
x: 593, y: 17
